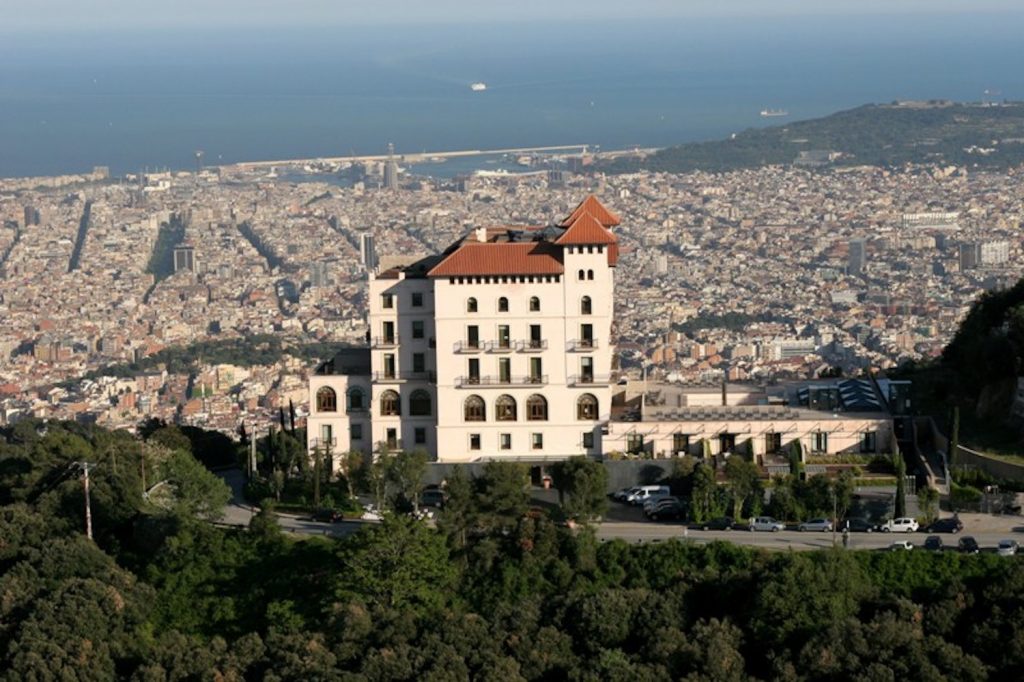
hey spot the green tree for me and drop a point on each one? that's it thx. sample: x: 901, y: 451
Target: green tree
x: 901, y: 484
x: 459, y: 510
x: 585, y: 482
x: 703, y: 503
x: 187, y: 487
x: 502, y: 497
x: 405, y: 471
x: 928, y: 501
x: 744, y: 480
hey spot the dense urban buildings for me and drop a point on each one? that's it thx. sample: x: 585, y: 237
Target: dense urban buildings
x: 742, y: 276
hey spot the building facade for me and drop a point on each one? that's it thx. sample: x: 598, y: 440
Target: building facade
x: 498, y: 348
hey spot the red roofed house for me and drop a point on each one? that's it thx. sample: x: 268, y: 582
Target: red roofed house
x: 497, y: 349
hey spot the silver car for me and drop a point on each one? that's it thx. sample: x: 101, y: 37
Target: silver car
x: 821, y: 525
x: 766, y: 523
x: 1007, y: 547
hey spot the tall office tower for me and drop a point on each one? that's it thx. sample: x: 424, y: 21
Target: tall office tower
x: 391, y: 169
x: 499, y: 348
x: 32, y: 216
x: 184, y: 258
x: 970, y: 256
x: 855, y: 261
x: 367, y: 251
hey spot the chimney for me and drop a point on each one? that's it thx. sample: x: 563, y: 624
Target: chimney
x: 481, y: 234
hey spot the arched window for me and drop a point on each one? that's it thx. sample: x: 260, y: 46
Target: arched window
x: 505, y: 408
x: 590, y: 274
x: 534, y: 304
x: 536, y: 408
x: 585, y: 306
x: 579, y: 275
x: 419, y: 404
x: 586, y: 407
x: 471, y: 305
x: 475, y: 410
x: 326, y: 400
x: 502, y: 305
x: 390, y: 404
x: 356, y: 399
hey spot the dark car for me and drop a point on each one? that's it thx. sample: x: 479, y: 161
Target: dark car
x: 433, y: 497
x: 669, y: 508
x: 968, y: 545
x: 934, y: 543
x: 327, y: 515
x: 949, y: 525
x: 858, y: 526
x: 721, y: 523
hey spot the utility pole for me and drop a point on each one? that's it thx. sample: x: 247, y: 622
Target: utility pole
x: 85, y: 467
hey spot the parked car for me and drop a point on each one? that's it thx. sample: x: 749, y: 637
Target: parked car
x: 721, y: 523
x: 901, y: 525
x: 901, y: 546
x: 766, y: 523
x: 968, y: 545
x: 821, y: 525
x: 641, y: 494
x: 933, y: 543
x: 858, y: 526
x: 327, y: 515
x: 370, y: 513
x: 433, y: 497
x: 951, y: 524
x: 667, y: 508
x: 622, y: 494
x: 652, y: 501
x: 1007, y: 547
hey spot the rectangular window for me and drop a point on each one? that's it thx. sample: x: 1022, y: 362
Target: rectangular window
x: 504, y: 370
x: 587, y: 370
x: 387, y: 301
x: 536, y: 371
x: 474, y: 370
x: 420, y: 435
x: 772, y: 443
x: 473, y: 336
x: 389, y: 365
x: 634, y: 443
x: 389, y: 332
x: 505, y: 441
x: 535, y: 337
x: 587, y: 335
x: 417, y: 300
x: 503, y: 336
x: 588, y: 440
x: 417, y: 329
x: 391, y: 437
x: 680, y: 443
x: 419, y: 362
x: 537, y: 441
x: 820, y: 441
x: 474, y: 441
x: 869, y: 442
x: 326, y: 434
x: 356, y: 431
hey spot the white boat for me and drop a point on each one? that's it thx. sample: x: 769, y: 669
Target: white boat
x: 477, y: 87
x: 767, y: 113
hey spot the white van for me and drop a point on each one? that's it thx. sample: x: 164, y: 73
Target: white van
x: 644, y: 492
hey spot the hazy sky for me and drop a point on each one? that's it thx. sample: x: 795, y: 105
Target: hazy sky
x: 62, y: 15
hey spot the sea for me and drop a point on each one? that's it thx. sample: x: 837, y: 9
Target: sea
x: 148, y: 100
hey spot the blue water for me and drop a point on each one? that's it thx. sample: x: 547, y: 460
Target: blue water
x: 69, y: 102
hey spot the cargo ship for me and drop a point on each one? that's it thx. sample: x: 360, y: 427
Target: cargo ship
x: 477, y: 87
x: 768, y: 113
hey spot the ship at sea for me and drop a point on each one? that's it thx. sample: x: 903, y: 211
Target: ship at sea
x: 768, y: 113
x: 477, y: 87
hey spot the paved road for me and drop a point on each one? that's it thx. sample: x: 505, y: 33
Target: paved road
x: 626, y: 523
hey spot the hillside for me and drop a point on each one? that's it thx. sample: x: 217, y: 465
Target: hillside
x: 989, y: 136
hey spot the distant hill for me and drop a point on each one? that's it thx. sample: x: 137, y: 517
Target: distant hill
x: 985, y: 135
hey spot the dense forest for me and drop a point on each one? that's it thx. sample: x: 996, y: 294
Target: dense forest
x: 881, y: 135
x: 497, y: 591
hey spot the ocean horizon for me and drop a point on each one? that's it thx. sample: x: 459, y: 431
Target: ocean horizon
x: 131, y: 102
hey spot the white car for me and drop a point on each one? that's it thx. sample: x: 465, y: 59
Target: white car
x: 766, y: 523
x: 901, y: 546
x: 622, y: 494
x: 1007, y: 547
x: 823, y: 525
x: 900, y: 525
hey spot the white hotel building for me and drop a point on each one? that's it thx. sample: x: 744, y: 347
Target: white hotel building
x: 499, y: 348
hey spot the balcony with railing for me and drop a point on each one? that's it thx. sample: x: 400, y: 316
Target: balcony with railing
x: 532, y: 345
x: 581, y: 345
x: 499, y: 346
x: 500, y: 381
x: 467, y: 347
x: 384, y: 341
x: 591, y: 379
x: 392, y: 444
x: 323, y: 443
x: 396, y: 377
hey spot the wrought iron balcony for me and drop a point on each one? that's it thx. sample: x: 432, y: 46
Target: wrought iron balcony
x: 384, y: 341
x: 532, y: 345
x: 591, y: 379
x: 499, y: 346
x: 582, y: 345
x: 315, y: 443
x: 499, y: 381
x: 467, y: 346
x: 387, y: 377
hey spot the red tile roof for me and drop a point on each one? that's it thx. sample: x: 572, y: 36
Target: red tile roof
x: 516, y: 258
x: 595, y: 208
x: 585, y: 229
